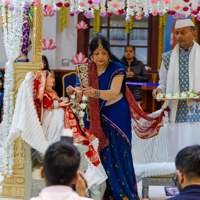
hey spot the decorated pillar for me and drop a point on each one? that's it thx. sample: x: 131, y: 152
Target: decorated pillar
x: 14, y: 185
x: 37, y: 34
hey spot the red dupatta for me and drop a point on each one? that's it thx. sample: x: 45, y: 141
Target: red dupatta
x: 40, y: 84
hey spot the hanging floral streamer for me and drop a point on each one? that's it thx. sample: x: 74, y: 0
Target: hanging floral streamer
x: 137, y: 8
x: 63, y: 18
x: 162, y: 20
x: 12, y: 29
x: 129, y: 24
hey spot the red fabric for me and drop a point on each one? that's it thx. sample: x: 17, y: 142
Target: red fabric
x: 152, y: 125
x: 95, y: 123
x: 70, y: 122
x: 40, y: 83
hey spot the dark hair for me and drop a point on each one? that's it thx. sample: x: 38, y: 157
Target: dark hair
x: 192, y: 28
x: 61, y: 163
x: 47, y: 63
x: 188, y: 161
x: 129, y: 46
x: 95, y: 43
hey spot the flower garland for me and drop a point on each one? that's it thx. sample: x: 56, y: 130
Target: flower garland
x: 1, y: 22
x: 6, y: 13
x: 12, y: 29
x: 162, y: 20
x: 129, y: 24
x: 95, y: 22
x: 63, y: 18
x: 177, y: 8
x: 98, y: 21
x: 79, y: 108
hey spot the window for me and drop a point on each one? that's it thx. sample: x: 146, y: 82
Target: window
x: 114, y: 28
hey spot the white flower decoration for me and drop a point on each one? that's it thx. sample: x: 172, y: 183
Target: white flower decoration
x: 183, y: 94
x: 159, y: 95
x: 175, y: 95
x: 83, y: 105
x: 73, y: 96
x: 84, y: 98
x: 191, y: 95
x: 168, y: 96
x: 81, y: 114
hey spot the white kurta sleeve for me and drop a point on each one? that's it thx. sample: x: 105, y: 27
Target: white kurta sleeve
x: 163, y: 78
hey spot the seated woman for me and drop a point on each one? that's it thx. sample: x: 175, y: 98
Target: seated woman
x: 135, y: 71
x: 55, y: 115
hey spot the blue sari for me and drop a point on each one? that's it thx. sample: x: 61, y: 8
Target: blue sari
x: 116, y: 123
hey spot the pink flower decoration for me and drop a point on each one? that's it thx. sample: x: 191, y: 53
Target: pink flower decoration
x: 138, y: 17
x: 82, y: 25
x: 48, y: 13
x: 7, y: 3
x: 81, y: 4
x: 177, y: 7
x: 167, y: 1
x: 79, y: 59
x: 115, y: 5
x: 48, y: 44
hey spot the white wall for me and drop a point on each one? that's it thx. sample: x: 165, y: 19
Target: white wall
x: 66, y: 42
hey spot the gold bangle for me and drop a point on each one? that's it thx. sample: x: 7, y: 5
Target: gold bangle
x: 97, y: 94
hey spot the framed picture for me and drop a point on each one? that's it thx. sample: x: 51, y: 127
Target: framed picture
x: 169, y: 34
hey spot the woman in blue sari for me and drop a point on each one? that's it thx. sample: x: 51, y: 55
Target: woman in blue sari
x: 110, y: 119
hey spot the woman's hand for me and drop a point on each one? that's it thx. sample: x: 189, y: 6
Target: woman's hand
x: 64, y: 104
x: 70, y: 90
x: 89, y: 92
x: 129, y: 74
x: 78, y: 107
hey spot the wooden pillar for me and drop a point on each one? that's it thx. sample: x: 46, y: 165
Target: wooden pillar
x: 154, y: 23
x: 80, y: 35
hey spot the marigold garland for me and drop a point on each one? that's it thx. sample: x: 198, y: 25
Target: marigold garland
x: 162, y: 20
x: 2, y: 22
x: 97, y: 21
x: 63, y: 18
x: 129, y: 25
x: 6, y: 12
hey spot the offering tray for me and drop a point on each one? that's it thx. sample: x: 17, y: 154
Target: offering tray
x: 177, y: 98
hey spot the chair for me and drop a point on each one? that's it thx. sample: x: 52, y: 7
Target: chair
x: 68, y: 79
x: 165, y: 180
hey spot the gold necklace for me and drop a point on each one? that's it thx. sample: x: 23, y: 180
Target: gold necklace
x: 48, y: 88
x: 102, y: 68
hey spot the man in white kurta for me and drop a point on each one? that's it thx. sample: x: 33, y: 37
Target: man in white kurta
x: 180, y: 72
